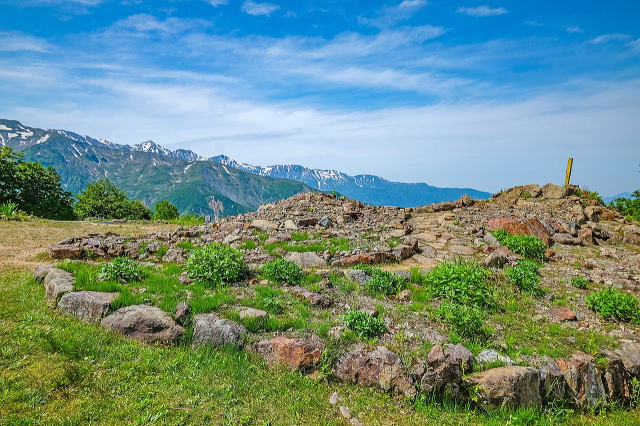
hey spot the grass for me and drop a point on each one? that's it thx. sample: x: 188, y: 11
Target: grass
x: 332, y: 244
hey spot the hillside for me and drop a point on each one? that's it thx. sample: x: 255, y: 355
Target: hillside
x: 146, y: 171
x: 366, y: 188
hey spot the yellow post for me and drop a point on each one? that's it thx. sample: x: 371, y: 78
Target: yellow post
x: 569, y: 166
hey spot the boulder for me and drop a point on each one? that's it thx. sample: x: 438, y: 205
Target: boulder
x: 617, y: 381
x: 563, y: 314
x: 89, y: 306
x: 464, y: 355
x: 567, y: 239
x: 208, y: 329
x: 631, y: 234
x: 263, y: 225
x: 553, y: 386
x: 380, y: 368
x: 521, y: 227
x: 306, y: 259
x: 500, y: 257
x: 290, y: 225
x: 583, y: 380
x: 56, y: 283
x: 443, y: 374
x: 325, y: 222
x: 313, y: 298
x: 357, y: 275
x: 252, y: 313
x: 586, y: 235
x: 41, y: 272
x: 490, y: 356
x: 304, y: 223
x: 173, y: 255
x: 144, y: 323
x: 508, y: 387
x: 556, y: 192
x: 629, y: 354
x: 295, y: 354
x: 364, y: 259
x: 65, y: 251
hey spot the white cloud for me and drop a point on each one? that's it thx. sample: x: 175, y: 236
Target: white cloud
x: 635, y: 44
x: 606, y: 38
x: 259, y: 9
x: 388, y: 16
x: 410, y: 4
x: 574, y: 29
x: 143, y: 23
x: 16, y: 42
x: 482, y: 11
x: 217, y: 3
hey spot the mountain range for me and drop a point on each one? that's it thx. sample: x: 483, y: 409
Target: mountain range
x: 150, y: 172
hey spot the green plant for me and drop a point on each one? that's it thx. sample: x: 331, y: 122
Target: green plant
x: 247, y: 245
x: 363, y: 324
x: 161, y: 251
x: 187, y: 219
x: 524, y: 275
x: 465, y: 320
x: 393, y: 242
x: 10, y: 211
x: 527, y: 246
x: 164, y: 210
x: 613, y: 304
x: 382, y: 282
x: 103, y: 199
x: 629, y: 207
x: 299, y: 236
x: 215, y: 264
x: 580, y: 282
x: 281, y: 271
x: 461, y: 282
x: 122, y: 270
x: 185, y: 245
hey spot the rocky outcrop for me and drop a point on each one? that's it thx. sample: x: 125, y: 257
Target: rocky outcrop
x: 529, y: 226
x: 379, y: 368
x: 507, y: 387
x: 296, y: 354
x: 65, y: 251
x: 208, y: 329
x: 89, y: 306
x: 501, y: 257
x: 144, y: 323
x: 583, y: 380
x: 443, y: 374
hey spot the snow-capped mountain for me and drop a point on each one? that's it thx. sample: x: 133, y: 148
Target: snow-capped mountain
x: 154, y: 148
x: 367, y: 188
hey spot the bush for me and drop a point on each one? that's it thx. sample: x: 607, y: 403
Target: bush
x: 121, y: 269
x: 216, y: 264
x: 461, y: 282
x: 629, y: 207
x: 164, y: 210
x: 382, y: 282
x: 615, y: 305
x: 465, y: 320
x: 527, y: 246
x: 104, y: 200
x: 580, y: 282
x: 10, y: 211
x: 363, y: 324
x: 524, y: 275
x: 282, y: 271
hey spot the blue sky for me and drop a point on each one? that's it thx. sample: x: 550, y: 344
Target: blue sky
x: 452, y: 93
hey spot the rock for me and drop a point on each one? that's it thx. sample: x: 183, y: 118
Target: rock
x: 490, y: 356
x: 89, y: 306
x: 567, y: 239
x: 364, y: 259
x: 617, y: 381
x: 586, y: 235
x: 264, y: 225
x: 500, y: 257
x: 462, y: 354
x: 335, y: 332
x: 144, y: 323
x: 56, y: 283
x: 563, y: 314
x: 182, y: 313
x: 304, y: 223
x: 357, y: 275
x: 380, y: 367
x: 306, y: 259
x: 584, y: 380
x: 631, y: 234
x: 325, y: 222
x: 553, y: 386
x: 290, y: 225
x: 296, y: 354
x: 208, y: 329
x: 345, y: 412
x: 521, y: 227
x: 41, y: 272
x: 173, y: 255
x: 629, y: 353
x: 443, y: 374
x: 403, y: 251
x: 313, y: 298
x: 556, y: 192
x: 65, y: 251
x: 491, y: 240
x: 460, y: 249
x: 403, y: 295
x: 251, y: 313
x: 334, y: 398
x: 508, y: 387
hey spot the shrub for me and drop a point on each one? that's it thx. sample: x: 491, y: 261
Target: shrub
x: 10, y: 211
x: 465, y: 320
x: 461, y: 282
x: 524, y: 275
x: 615, y: 305
x: 121, y: 269
x: 382, y: 282
x: 164, y: 210
x: 282, y: 271
x: 216, y: 264
x: 363, y: 324
x: 629, y: 207
x: 580, y: 282
x: 527, y: 246
x: 103, y: 199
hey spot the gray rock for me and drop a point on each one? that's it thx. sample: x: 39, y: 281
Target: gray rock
x: 442, y: 375
x: 251, y: 313
x: 264, y: 225
x: 508, y: 387
x: 555, y: 191
x: 325, y: 222
x: 65, y: 251
x: 56, y: 283
x: 182, y: 313
x: 491, y: 240
x: 173, y: 255
x: 144, y: 323
x: 583, y: 380
x: 208, y: 329
x: 89, y: 306
x: 629, y: 353
x: 567, y: 239
x: 290, y: 225
x: 489, y: 356
x: 553, y: 386
x: 306, y: 259
x: 462, y: 354
x: 631, y: 234
x: 500, y: 257
x: 41, y: 272
x: 357, y: 275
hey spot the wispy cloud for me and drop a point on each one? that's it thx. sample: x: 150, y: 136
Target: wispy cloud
x: 217, y: 3
x: 16, y: 42
x: 143, y: 23
x: 607, y: 38
x: 388, y: 16
x: 411, y: 4
x: 574, y: 29
x: 259, y: 9
x: 481, y: 11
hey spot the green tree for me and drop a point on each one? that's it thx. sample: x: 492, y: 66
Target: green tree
x: 104, y: 200
x: 164, y: 210
x: 630, y: 207
x: 36, y: 189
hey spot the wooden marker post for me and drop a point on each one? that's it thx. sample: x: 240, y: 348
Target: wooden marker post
x: 568, y: 175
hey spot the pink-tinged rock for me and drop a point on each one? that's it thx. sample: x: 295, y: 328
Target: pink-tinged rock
x: 500, y: 257
x: 65, y: 251
x: 586, y: 235
x: 296, y: 354
x: 521, y: 227
x: 563, y: 314
x: 508, y: 387
x: 584, y: 380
